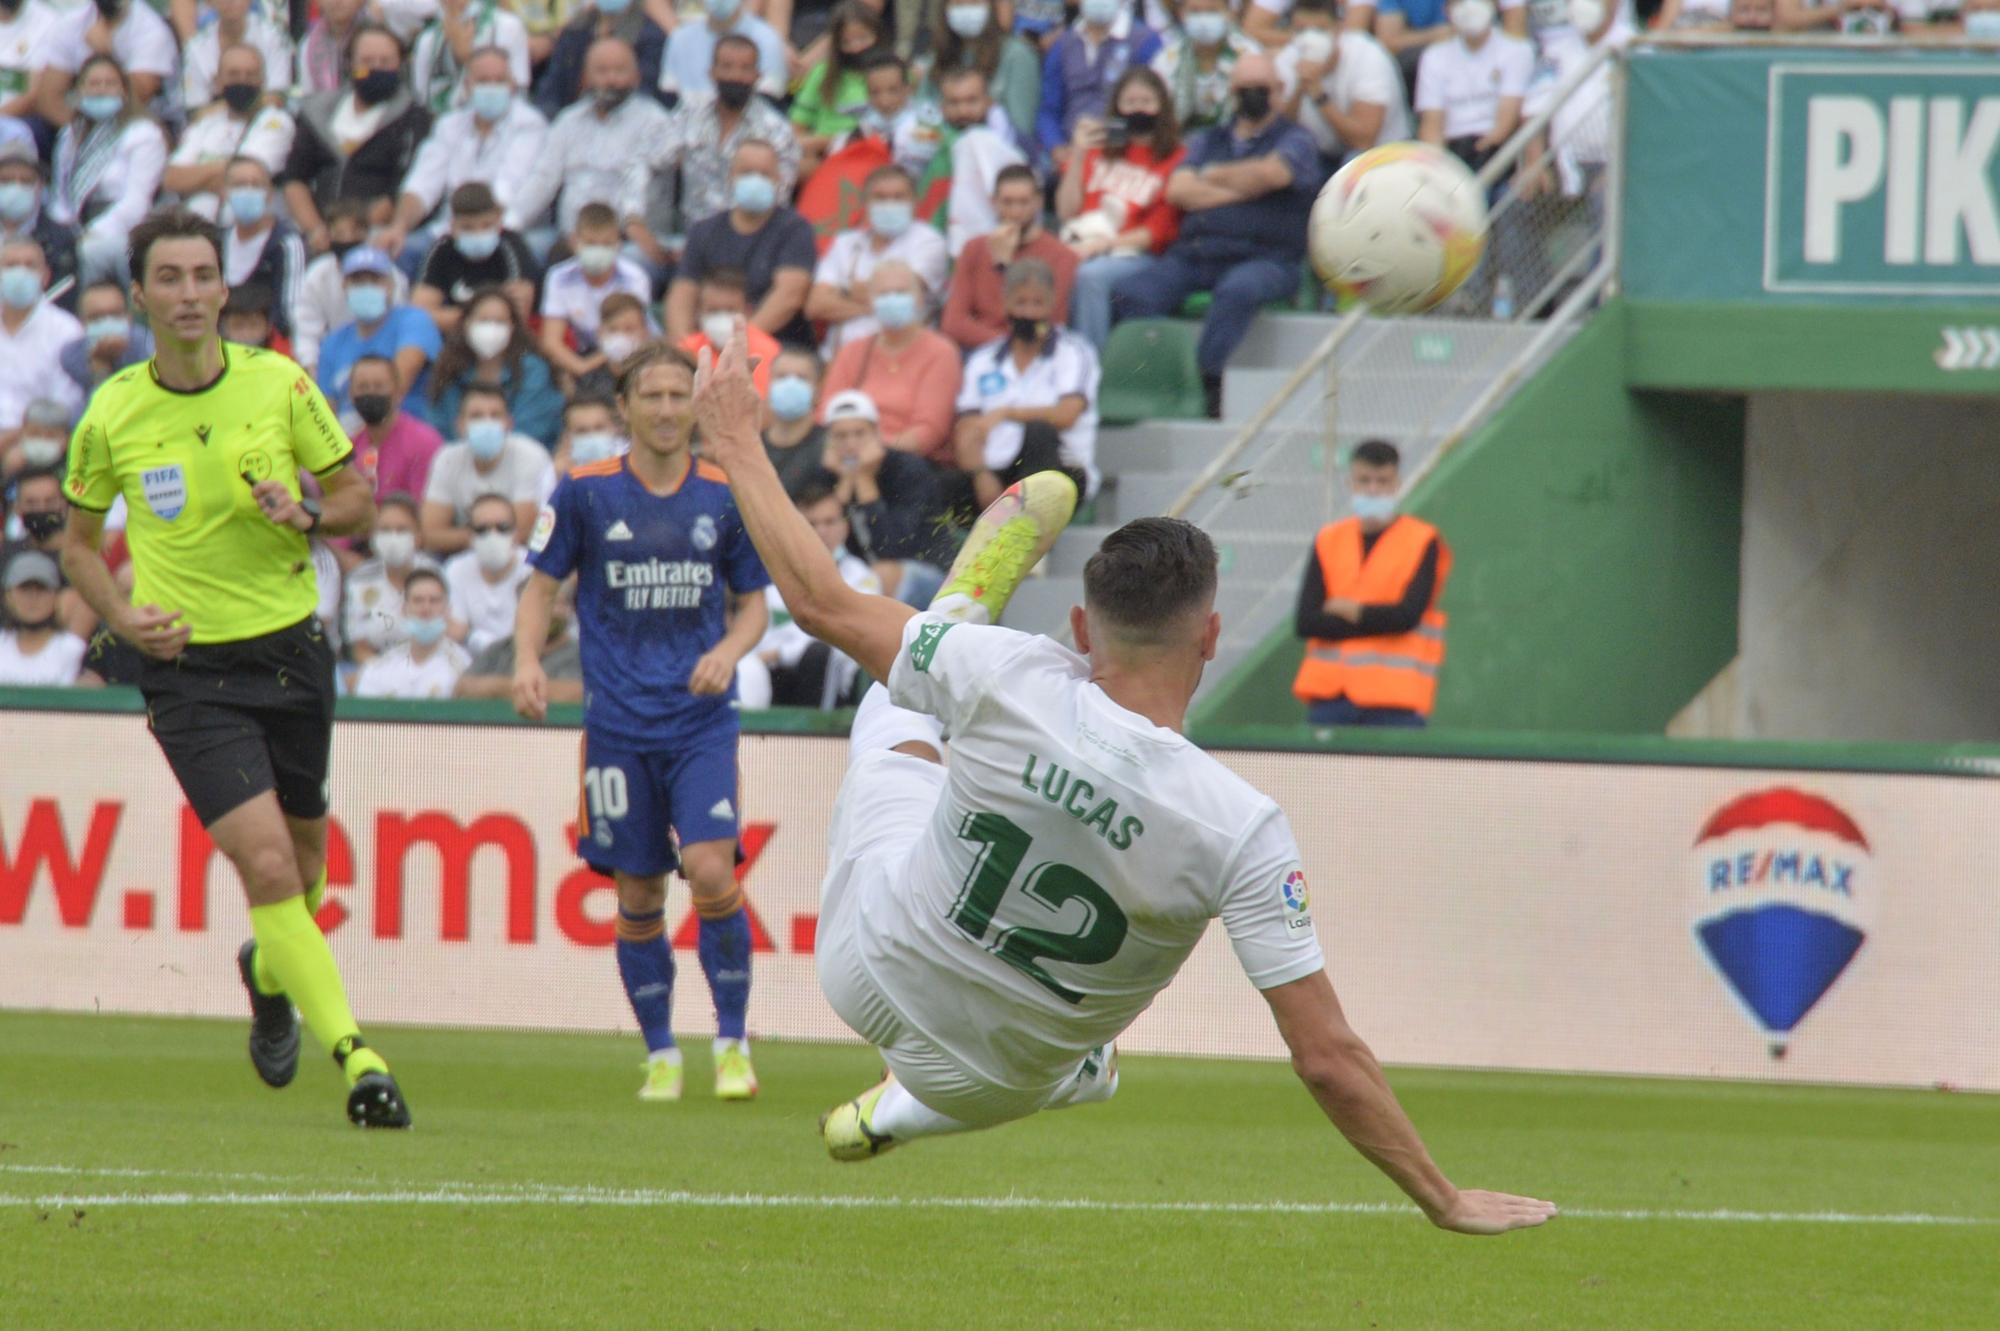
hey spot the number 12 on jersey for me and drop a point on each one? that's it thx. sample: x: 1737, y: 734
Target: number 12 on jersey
x: 1050, y: 887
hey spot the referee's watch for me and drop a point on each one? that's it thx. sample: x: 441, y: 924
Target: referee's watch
x: 310, y: 507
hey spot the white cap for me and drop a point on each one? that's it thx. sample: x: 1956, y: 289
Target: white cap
x: 852, y: 405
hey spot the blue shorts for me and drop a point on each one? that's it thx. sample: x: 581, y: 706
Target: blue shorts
x: 638, y: 806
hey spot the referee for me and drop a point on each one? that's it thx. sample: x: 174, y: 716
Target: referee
x: 206, y: 442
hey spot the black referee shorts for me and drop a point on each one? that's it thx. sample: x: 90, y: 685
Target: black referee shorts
x: 236, y: 719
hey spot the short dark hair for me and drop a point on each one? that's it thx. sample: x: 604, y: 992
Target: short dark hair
x: 347, y: 210
x: 170, y: 224
x: 589, y: 400
x: 417, y: 575
x: 252, y: 298
x: 1330, y: 8
x: 596, y: 216
x: 958, y: 73
x: 727, y: 278
x: 734, y: 39
x: 490, y: 497
x: 473, y: 390
x: 1376, y: 453
x: 1148, y: 574
x: 889, y: 171
x: 816, y: 488
x: 402, y: 499
x: 27, y: 474
x: 474, y: 196
x: 653, y: 353
x: 617, y: 303
x: 882, y: 58
x: 374, y: 358
x: 1016, y: 171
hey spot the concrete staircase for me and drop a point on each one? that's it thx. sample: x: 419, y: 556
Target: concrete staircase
x: 1406, y: 380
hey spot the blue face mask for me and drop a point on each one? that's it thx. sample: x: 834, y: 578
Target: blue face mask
x: 754, y: 193
x: 17, y: 199
x: 595, y: 446
x: 791, y: 397
x: 1983, y: 25
x: 368, y: 303
x: 1103, y: 12
x: 104, y: 106
x: 490, y: 101
x: 1206, y: 29
x: 613, y: 7
x: 20, y: 287
x: 486, y: 438
x: 890, y: 218
x: 111, y: 325
x: 477, y: 245
x: 423, y: 632
x: 1373, y: 508
x: 248, y: 206
x: 895, y: 309
x: 723, y: 10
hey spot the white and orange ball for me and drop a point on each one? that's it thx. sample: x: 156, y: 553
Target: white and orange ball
x: 1400, y: 228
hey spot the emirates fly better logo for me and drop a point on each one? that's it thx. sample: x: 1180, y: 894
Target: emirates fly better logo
x: 1784, y: 896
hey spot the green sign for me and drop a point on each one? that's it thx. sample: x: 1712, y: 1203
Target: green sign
x: 1812, y: 176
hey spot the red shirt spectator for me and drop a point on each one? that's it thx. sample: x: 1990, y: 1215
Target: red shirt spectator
x: 1138, y: 181
x: 974, y: 313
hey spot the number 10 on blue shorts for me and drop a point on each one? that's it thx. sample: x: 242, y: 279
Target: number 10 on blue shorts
x: 636, y: 803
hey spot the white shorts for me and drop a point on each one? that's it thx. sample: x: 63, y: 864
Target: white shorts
x: 884, y: 805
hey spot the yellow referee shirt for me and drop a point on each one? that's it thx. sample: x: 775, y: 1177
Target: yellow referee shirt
x: 185, y: 463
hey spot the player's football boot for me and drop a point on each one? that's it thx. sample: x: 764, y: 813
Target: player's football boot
x: 274, y: 1027
x: 375, y: 1101
x: 847, y: 1131
x: 1011, y: 536
x: 735, y: 1078
x: 663, y: 1079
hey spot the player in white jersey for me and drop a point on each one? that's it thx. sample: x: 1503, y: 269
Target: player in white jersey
x: 992, y: 924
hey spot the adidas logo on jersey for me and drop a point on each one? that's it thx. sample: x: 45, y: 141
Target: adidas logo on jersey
x: 618, y: 531
x: 721, y: 809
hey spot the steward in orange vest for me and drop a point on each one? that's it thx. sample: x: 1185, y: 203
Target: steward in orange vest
x: 1368, y: 612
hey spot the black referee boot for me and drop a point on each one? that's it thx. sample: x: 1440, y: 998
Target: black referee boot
x: 274, y: 1027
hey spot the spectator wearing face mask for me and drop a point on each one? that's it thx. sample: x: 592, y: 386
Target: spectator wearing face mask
x: 372, y: 601
x: 322, y: 304
x: 237, y: 123
x: 1368, y: 606
x: 322, y: 53
x: 835, y: 92
x: 788, y: 667
x: 913, y: 131
x: 133, y: 35
x: 1195, y: 62
x: 840, y: 292
x: 40, y: 514
x: 355, y: 143
x: 491, y: 141
x: 982, y: 146
x: 35, y: 649
x: 237, y: 23
x: 702, y: 139
x: 1029, y: 402
x: 722, y: 306
x: 687, y: 69
x: 1470, y: 88
x: 623, y: 327
x: 491, y: 674
x: 1581, y: 131
x: 41, y: 445
x: 109, y: 342
x: 259, y: 249
x: 25, y: 216
x: 894, y: 501
x: 573, y: 296
x: 590, y: 432
x: 593, y: 144
x: 969, y: 34
x: 108, y: 162
x: 427, y: 663
x: 565, y: 80
x: 246, y: 320
x: 769, y: 243
x: 480, y: 252
x: 1340, y: 85
x: 392, y: 445
x: 909, y: 372
x: 976, y: 310
x: 489, y: 459
x: 794, y: 439
x: 1408, y: 28
x: 442, y: 56
x: 485, y: 581
x: 33, y: 333
x: 1082, y: 65
x: 1113, y: 196
x: 405, y: 334
x: 491, y: 346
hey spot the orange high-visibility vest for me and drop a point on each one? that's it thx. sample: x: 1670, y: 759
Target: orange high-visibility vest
x: 1397, y: 670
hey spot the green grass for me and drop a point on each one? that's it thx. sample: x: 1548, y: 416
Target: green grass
x: 536, y: 1119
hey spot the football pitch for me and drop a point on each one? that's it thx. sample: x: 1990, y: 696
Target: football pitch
x: 147, y: 1179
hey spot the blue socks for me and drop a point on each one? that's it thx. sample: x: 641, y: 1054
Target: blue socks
x: 646, y: 964
x: 725, y: 958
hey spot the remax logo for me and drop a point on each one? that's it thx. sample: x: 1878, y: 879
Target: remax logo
x: 1784, y: 896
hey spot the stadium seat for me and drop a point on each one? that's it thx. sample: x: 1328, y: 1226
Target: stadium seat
x: 1150, y: 373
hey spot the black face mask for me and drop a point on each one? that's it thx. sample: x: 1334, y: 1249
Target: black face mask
x: 377, y: 86
x: 1023, y: 329
x: 610, y: 99
x: 341, y: 247
x: 240, y: 97
x: 111, y: 9
x: 733, y: 93
x: 1141, y: 124
x: 43, y: 527
x: 372, y: 407
x: 1253, y: 103
x: 35, y: 626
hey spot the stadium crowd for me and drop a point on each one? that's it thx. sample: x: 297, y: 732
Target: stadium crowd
x: 460, y: 216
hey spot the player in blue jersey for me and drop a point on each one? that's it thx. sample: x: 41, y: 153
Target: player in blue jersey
x: 669, y: 596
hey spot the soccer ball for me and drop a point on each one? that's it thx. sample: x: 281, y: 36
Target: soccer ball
x: 1399, y: 227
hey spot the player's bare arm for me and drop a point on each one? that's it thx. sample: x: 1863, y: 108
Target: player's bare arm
x: 1343, y: 1076
x: 749, y: 617
x: 867, y: 628
x: 347, y: 504
x: 158, y: 633
x: 531, y: 630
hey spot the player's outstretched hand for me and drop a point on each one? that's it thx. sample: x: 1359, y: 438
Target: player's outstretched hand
x: 726, y: 405
x: 1476, y: 1212
x: 156, y: 632
x: 711, y: 675
x: 531, y: 691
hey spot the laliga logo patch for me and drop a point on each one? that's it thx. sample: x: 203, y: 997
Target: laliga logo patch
x: 1298, y: 906
x: 703, y: 534
x: 1784, y: 896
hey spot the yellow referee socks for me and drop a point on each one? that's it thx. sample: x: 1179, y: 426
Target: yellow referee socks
x: 267, y: 983
x: 293, y: 953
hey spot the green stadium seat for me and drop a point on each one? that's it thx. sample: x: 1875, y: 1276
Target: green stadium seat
x: 1150, y: 373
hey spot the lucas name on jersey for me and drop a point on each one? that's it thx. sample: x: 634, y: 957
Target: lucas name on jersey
x: 1081, y: 801
x: 660, y: 584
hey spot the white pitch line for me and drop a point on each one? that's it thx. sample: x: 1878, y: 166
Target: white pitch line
x: 459, y: 1195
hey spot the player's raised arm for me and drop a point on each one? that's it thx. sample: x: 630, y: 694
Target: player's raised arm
x: 1338, y: 1068
x: 867, y: 628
